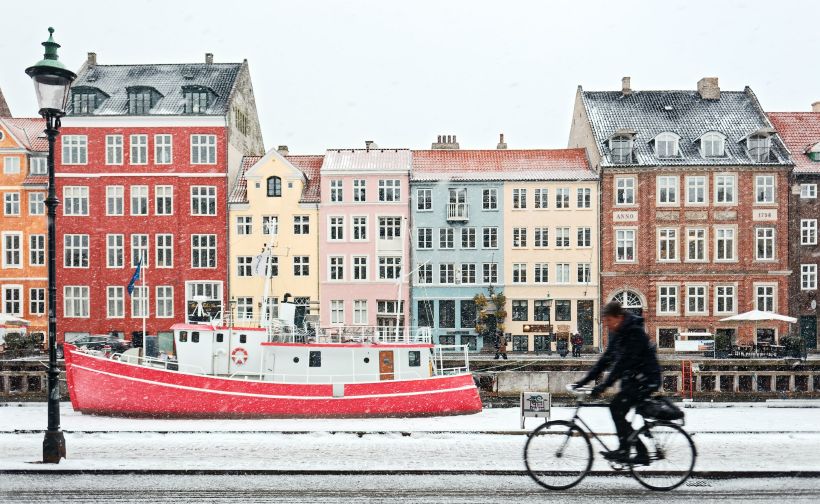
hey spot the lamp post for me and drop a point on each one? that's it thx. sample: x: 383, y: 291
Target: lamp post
x: 52, y: 81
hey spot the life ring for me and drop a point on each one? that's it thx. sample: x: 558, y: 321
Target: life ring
x: 239, y: 356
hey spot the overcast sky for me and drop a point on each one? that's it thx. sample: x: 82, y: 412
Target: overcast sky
x: 334, y: 74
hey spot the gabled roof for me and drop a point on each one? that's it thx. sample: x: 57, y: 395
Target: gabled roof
x: 28, y: 131
x: 167, y: 79
x: 367, y: 160
x: 239, y: 193
x: 309, y: 165
x: 800, y: 131
x: 535, y: 164
x: 736, y: 114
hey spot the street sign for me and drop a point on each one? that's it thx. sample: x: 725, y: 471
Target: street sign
x: 535, y: 404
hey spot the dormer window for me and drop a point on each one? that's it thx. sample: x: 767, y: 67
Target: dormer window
x: 759, y: 147
x: 666, y: 145
x: 712, y: 145
x: 274, y: 187
x: 141, y: 100
x: 197, y: 99
x: 814, y: 152
x: 620, y: 147
x: 85, y: 100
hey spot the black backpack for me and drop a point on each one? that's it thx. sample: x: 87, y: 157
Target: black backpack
x: 659, y: 408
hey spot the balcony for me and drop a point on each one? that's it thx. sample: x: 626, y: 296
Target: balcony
x: 458, y: 212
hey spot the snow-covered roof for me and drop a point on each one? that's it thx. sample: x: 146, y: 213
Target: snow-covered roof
x: 367, y: 160
x: 28, y: 131
x: 309, y: 165
x: 501, y: 164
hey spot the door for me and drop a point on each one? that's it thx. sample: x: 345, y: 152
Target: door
x: 808, y: 331
x: 585, y: 320
x: 221, y: 356
x: 386, y: 364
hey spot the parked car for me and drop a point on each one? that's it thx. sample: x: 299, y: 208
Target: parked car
x: 97, y: 342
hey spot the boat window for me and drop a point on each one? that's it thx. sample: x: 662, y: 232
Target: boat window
x: 219, y: 337
x: 315, y: 359
x: 296, y: 360
x: 415, y: 358
x: 195, y: 337
x: 367, y: 360
x: 183, y: 336
x: 243, y: 338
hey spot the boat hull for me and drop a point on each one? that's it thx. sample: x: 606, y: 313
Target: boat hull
x: 102, y: 386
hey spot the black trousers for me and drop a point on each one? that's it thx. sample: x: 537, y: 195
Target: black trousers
x: 631, y: 395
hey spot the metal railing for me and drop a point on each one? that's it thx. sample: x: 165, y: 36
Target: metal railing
x: 458, y: 211
x: 453, y: 352
x: 287, y: 333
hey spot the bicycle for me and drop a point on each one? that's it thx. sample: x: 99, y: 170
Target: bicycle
x: 559, y: 454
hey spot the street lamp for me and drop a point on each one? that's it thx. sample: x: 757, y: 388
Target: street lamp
x: 52, y: 81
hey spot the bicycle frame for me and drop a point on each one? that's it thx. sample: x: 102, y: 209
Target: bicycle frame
x: 577, y: 420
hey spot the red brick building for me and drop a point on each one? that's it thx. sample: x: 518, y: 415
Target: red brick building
x: 694, y: 206
x: 145, y: 161
x: 801, y: 133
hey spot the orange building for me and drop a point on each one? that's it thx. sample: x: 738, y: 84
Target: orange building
x: 23, y: 187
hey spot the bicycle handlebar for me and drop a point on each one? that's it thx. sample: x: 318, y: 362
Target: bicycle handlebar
x: 580, y: 391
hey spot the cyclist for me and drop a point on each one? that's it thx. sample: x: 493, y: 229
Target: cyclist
x: 630, y: 357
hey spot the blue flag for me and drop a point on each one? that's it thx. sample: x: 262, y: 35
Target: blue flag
x: 135, y: 277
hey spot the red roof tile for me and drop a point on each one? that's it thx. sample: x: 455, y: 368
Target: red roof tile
x: 36, y: 180
x: 29, y: 131
x: 239, y: 194
x: 535, y: 164
x: 800, y: 131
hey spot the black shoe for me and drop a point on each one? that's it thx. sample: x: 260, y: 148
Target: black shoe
x: 505, y: 356
x: 619, y: 455
x: 639, y: 459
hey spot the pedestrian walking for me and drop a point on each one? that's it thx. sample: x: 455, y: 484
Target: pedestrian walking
x: 500, y: 345
x: 577, y: 344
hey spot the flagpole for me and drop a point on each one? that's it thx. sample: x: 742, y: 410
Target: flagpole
x: 144, y: 312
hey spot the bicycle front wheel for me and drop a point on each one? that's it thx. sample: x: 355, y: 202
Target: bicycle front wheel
x: 558, y: 455
x: 671, y: 454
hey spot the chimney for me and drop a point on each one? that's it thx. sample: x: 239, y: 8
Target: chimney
x: 209, y: 58
x: 92, y: 59
x: 448, y: 142
x: 283, y: 150
x: 501, y: 143
x: 815, y: 107
x: 708, y: 88
x: 626, y: 88
x: 368, y: 144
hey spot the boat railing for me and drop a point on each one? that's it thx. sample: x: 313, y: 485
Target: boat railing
x: 168, y: 365
x: 288, y: 333
x: 312, y: 378
x: 454, y: 354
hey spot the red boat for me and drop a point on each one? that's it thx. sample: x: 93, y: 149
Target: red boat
x: 234, y: 372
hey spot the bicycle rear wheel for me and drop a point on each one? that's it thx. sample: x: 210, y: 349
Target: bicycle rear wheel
x: 558, y: 455
x: 671, y: 454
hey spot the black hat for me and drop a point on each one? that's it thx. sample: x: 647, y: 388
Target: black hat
x: 613, y: 309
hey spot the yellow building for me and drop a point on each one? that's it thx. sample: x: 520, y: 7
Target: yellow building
x: 274, y: 210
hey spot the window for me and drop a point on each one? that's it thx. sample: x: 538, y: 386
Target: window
x: 621, y: 149
x: 764, y: 189
x: 75, y: 149
x: 163, y: 149
x: 140, y: 101
x: 360, y: 311
x: 667, y: 244
x: 584, y: 198
x: 667, y: 299
x: 666, y: 145
x: 541, y: 196
x: 244, y: 225
x: 75, y: 301
x: 114, y: 244
x: 360, y: 268
x: 425, y: 273
x: 38, y: 166
x: 75, y: 250
x: 562, y: 197
x: 389, y: 228
x: 489, y: 199
x: 490, y: 237
x: 808, y: 277
x: 519, y: 273
x: 113, y: 149
x: 424, y: 238
x: 244, y: 308
x: 425, y: 314
x: 667, y: 190
x: 37, y: 203
x: 13, y: 250
x: 695, y: 190
x: 808, y: 231
x: 446, y: 238
x: 139, y: 250
x: 808, y: 191
x: 711, y: 145
x: 301, y: 265
x: 765, y: 243
x: 37, y: 250
x: 272, y: 266
x: 725, y: 299
x: 446, y: 273
x: 584, y: 237
x: 274, y: 187
x: 301, y: 224
x: 725, y: 244
x: 336, y: 191
x: 114, y: 200
x: 139, y: 302
x: 37, y: 301
x: 164, y: 200
x: 447, y: 314
x: 196, y: 100
x: 337, y: 268
x: 270, y: 225
x: 139, y: 200
x: 243, y: 266
x: 541, y: 273
x: 203, y: 149
x: 519, y: 198
x: 468, y: 238
x: 562, y: 273
x: 337, y: 312
x: 389, y: 190
x: 759, y: 147
x: 360, y: 228
x: 389, y: 267
x: 562, y: 237
x: 519, y: 237
x: 165, y: 301
x: 489, y: 273
x: 520, y: 310
x: 725, y: 189
x: 203, y: 251
x: 12, y: 300
x: 359, y: 190
x: 336, y: 228
x: 11, y: 203
x: 139, y: 149
x: 624, y: 245
x: 75, y: 200
x: 468, y: 273
x: 765, y: 298
x: 541, y: 236
x: 624, y: 190
x: 424, y: 200
x: 695, y: 299
x: 11, y: 165
x: 696, y: 244
x: 165, y: 250
x: 563, y: 310
x: 542, y: 311
x: 115, y: 296
x: 84, y: 102
x: 203, y: 200
x: 584, y: 273
x: 468, y: 313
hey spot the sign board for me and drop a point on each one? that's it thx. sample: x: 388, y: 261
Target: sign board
x: 202, y: 312
x: 535, y: 404
x: 539, y: 328
x: 694, y: 345
x: 768, y: 214
x: 625, y: 216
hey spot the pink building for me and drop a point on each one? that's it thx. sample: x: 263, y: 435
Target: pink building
x: 363, y: 243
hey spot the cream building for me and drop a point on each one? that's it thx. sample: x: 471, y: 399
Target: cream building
x: 274, y: 206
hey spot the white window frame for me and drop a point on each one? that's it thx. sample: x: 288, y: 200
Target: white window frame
x: 79, y: 243
x: 203, y: 144
x: 562, y: 273
x: 668, y: 241
x: 704, y: 295
x: 492, y: 233
x: 808, y: 277
x: 361, y: 264
x: 164, y: 296
x: 720, y: 182
x: 202, y: 197
x: 115, y: 294
x: 734, y: 257
x: 773, y: 295
x: 670, y: 291
x: 584, y: 197
x: 808, y: 191
x: 519, y: 238
x: 489, y: 273
x: 390, y: 190
x: 11, y: 165
x: 204, y: 249
x: 164, y: 250
x: 335, y: 228
x: 628, y: 187
x: 666, y: 186
x: 519, y: 198
x: 541, y: 273
x: 584, y: 234
x: 114, y: 149
x: 717, y: 297
x: 562, y: 237
x: 519, y: 273
x: 140, y: 246
x: 337, y: 191
x: 360, y: 190
x: 358, y: 225
x: 696, y: 183
x: 421, y: 198
x: 112, y: 246
x: 37, y: 250
x: 626, y: 240
x: 336, y: 268
x: 772, y: 239
x: 360, y: 315
x: 11, y: 204
x: 244, y: 225
x: 75, y: 196
x: 138, y: 149
x: 163, y: 142
x: 74, y: 149
x: 136, y: 195
x: 337, y: 312
x: 140, y: 302
x: 808, y: 231
x: 37, y: 203
x: 6, y: 235
x: 490, y: 203
x: 562, y: 198
x: 703, y: 238
x: 714, y: 138
x: 541, y: 196
x: 114, y: 194
x: 763, y: 180
x: 20, y: 300
x: 271, y: 227
x: 76, y: 297
x: 541, y: 237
